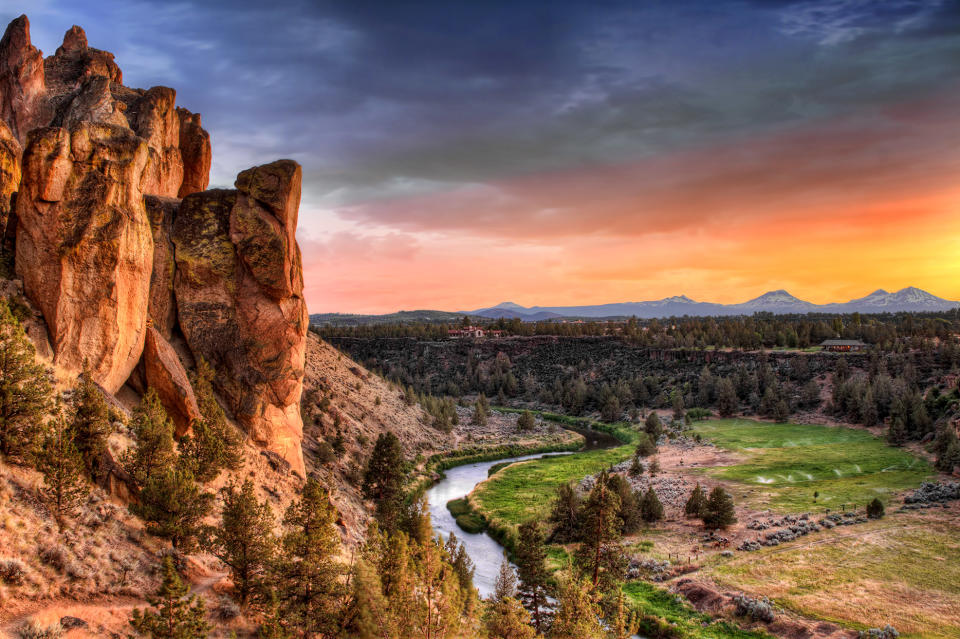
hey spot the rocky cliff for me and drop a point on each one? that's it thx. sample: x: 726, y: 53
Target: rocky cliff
x: 104, y: 209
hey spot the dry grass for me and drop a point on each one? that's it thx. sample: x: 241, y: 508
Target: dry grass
x: 902, y: 570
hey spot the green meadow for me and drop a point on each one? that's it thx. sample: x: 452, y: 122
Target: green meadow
x: 785, y: 465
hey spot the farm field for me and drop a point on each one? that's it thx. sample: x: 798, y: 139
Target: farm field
x: 901, y: 570
x: 784, y: 466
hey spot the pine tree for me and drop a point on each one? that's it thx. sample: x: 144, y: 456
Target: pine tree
x: 645, y: 446
x: 651, y: 510
x: 91, y: 423
x: 696, y: 503
x: 600, y: 554
x: 577, y: 616
x: 214, y: 444
x: 385, y: 479
x: 62, y: 467
x: 565, y: 515
x: 506, y: 584
x: 534, y: 579
x: 153, y: 449
x: 653, y: 427
x: 176, y: 616
x: 172, y: 505
x: 507, y: 619
x: 718, y: 512
x: 25, y: 390
x: 244, y: 539
x: 727, y: 400
x: 308, y: 573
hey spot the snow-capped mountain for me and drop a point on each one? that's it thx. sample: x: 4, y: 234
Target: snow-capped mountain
x: 780, y: 301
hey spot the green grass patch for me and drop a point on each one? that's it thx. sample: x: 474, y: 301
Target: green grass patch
x: 665, y: 614
x: 787, y: 463
x: 467, y: 518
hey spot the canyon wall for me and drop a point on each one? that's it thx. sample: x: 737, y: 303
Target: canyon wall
x: 104, y: 209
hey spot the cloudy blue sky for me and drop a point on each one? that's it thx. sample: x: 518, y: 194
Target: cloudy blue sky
x: 458, y: 154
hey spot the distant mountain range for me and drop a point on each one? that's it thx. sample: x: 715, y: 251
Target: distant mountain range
x: 780, y: 302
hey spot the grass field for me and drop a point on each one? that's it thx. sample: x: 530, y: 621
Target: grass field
x: 665, y: 614
x: 902, y: 571
x: 785, y: 464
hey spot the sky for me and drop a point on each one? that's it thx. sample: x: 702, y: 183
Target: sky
x: 457, y: 155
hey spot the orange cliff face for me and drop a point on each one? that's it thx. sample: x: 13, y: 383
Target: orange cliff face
x: 99, y: 262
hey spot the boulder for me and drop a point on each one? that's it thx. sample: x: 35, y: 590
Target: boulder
x: 239, y: 293
x: 84, y: 247
x: 157, y: 122
x: 162, y: 308
x: 165, y: 373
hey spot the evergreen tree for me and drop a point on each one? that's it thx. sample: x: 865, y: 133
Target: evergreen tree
x: 308, y: 574
x: 565, y: 515
x: 653, y: 427
x: 214, y: 444
x: 696, y: 503
x: 718, y: 512
x: 532, y: 572
x: 727, y: 400
x: 507, y: 619
x: 781, y: 411
x: 385, y: 479
x: 645, y: 446
x: 25, y: 389
x: 480, y: 410
x: 577, y: 616
x: 153, y: 447
x: 176, y: 616
x: 624, y: 623
x: 526, y: 421
x: 62, y: 468
x: 676, y: 401
x: 91, y: 423
x: 636, y: 466
x: 875, y: 509
x: 600, y: 554
x: 173, y: 505
x: 244, y: 539
x: 461, y: 562
x: 653, y: 467
x: 651, y: 510
x: 629, y: 505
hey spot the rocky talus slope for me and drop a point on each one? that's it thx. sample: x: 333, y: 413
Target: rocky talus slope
x: 102, y: 205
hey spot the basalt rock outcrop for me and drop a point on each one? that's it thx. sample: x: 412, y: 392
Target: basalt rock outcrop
x: 239, y: 287
x: 91, y: 176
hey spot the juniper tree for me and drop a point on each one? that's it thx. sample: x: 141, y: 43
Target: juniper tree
x: 26, y: 393
x: 384, y: 480
x: 651, y: 510
x: 534, y: 579
x: 653, y: 467
x: 214, y: 444
x: 727, y: 400
x: 629, y: 504
x: 176, y: 616
x: 61, y: 465
x: 565, y: 515
x: 653, y: 427
x: 645, y: 446
x: 172, y: 505
x: 308, y: 574
x: 696, y: 503
x: 91, y: 423
x: 600, y: 554
x: 153, y: 451
x: 875, y: 509
x: 718, y: 511
x: 244, y: 539
x: 578, y: 615
x: 526, y: 421
x: 480, y: 410
x: 636, y: 466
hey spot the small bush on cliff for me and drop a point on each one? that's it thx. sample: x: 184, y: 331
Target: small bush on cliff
x: 62, y: 467
x: 215, y: 444
x: 153, y: 451
x: 176, y: 616
x: 172, y: 505
x: 25, y: 390
x: 91, y: 423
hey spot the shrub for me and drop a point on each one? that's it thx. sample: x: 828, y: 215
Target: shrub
x: 12, y: 571
x: 754, y: 609
x: 226, y: 609
x: 54, y: 556
x: 875, y: 509
x: 887, y: 632
x: 526, y: 421
x: 32, y: 629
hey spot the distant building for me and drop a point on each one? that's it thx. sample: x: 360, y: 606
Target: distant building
x: 469, y: 331
x: 843, y: 345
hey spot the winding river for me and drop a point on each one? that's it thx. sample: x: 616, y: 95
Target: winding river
x: 486, y: 553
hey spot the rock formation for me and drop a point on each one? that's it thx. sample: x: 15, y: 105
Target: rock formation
x: 239, y: 287
x: 118, y: 266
